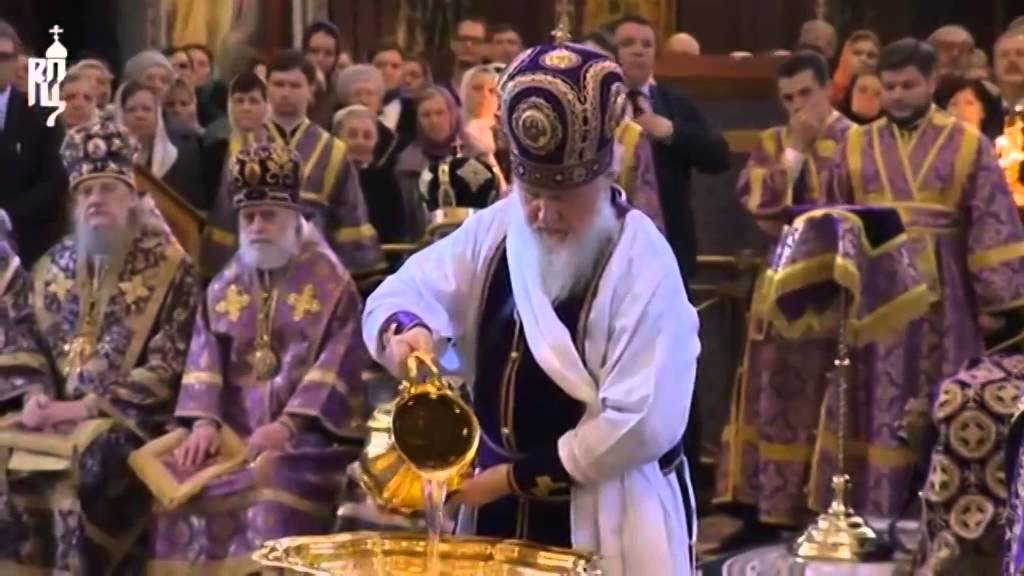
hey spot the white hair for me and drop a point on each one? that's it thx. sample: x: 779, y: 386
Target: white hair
x: 349, y: 113
x: 357, y: 74
x: 275, y: 254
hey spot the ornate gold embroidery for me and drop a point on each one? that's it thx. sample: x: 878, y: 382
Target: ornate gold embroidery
x: 1002, y: 397
x: 972, y: 434
x: 951, y: 397
x: 561, y: 59
x: 943, y: 479
x: 995, y: 475
x: 971, y: 515
x: 134, y: 290
x: 303, y: 303
x: 545, y: 486
x: 233, y: 303
x: 60, y: 286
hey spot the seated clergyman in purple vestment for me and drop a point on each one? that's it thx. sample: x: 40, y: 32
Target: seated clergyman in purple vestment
x: 113, y: 305
x: 276, y: 357
x: 573, y: 331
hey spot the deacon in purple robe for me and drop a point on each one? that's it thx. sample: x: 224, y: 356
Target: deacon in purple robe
x: 113, y: 304
x: 330, y: 196
x: 768, y: 443
x: 966, y: 241
x: 276, y: 357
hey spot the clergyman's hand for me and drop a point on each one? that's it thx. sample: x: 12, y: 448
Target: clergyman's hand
x: 202, y: 443
x: 271, y: 437
x: 33, y: 414
x: 397, y: 349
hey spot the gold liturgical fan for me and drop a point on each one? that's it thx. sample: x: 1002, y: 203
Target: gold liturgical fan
x: 839, y: 534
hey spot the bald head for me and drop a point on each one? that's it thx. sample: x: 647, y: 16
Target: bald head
x: 821, y: 34
x: 953, y: 48
x: 683, y: 43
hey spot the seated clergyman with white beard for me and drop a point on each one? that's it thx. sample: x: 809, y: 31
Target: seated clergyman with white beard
x: 113, y: 304
x: 276, y: 359
x: 572, y: 328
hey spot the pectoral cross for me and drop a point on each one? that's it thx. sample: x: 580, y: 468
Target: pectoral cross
x: 134, y: 290
x: 233, y: 303
x: 303, y: 303
x: 545, y: 486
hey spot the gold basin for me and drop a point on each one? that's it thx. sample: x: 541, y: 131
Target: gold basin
x: 401, y: 554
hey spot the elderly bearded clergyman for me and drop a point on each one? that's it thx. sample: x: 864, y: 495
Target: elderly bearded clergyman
x: 572, y: 327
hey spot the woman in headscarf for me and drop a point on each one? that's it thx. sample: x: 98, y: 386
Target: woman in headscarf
x: 178, y: 166
x: 363, y: 85
x: 862, y: 103
x: 439, y: 135
x: 358, y: 127
x: 860, y: 54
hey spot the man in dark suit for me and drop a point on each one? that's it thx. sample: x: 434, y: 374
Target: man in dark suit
x: 682, y: 140
x: 34, y: 184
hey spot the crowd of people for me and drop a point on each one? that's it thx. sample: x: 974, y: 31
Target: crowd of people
x: 227, y: 385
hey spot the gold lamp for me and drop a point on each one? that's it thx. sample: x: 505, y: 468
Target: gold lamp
x: 839, y: 534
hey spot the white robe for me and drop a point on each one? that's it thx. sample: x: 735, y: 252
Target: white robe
x: 636, y: 381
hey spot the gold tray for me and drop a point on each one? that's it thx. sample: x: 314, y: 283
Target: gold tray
x: 401, y: 554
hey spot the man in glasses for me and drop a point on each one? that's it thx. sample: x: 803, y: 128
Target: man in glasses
x: 35, y: 183
x: 469, y: 44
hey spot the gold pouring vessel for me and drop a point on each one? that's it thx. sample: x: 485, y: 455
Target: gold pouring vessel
x: 427, y: 432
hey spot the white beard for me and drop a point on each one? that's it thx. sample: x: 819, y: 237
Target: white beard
x: 268, y: 255
x: 109, y: 240
x: 565, y: 268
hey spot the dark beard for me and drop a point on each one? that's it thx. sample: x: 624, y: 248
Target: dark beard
x: 908, y: 122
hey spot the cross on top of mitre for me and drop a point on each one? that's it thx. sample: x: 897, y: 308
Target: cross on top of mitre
x: 57, y: 51
x: 563, y: 33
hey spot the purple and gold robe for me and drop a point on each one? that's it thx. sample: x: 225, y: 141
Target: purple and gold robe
x: 768, y: 444
x: 330, y: 196
x: 966, y: 242
x: 23, y: 365
x: 23, y: 370
x: 87, y: 517
x: 317, y: 390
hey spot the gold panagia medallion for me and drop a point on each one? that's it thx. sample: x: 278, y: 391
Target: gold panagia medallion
x: 264, y: 362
